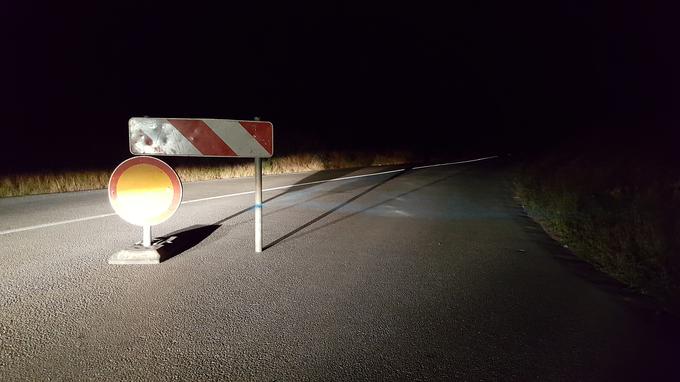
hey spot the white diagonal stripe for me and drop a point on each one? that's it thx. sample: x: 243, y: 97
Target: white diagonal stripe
x: 236, y: 137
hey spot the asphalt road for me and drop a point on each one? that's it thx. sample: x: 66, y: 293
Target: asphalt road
x: 424, y: 274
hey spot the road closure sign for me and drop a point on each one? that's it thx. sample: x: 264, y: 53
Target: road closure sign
x: 144, y: 191
x: 200, y: 137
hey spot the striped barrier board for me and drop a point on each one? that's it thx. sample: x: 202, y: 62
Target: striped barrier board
x: 200, y: 137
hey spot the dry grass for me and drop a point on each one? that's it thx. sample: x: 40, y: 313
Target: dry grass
x: 30, y: 184
x: 294, y: 163
x: 621, y: 215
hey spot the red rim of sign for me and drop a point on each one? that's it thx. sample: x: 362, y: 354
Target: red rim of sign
x: 134, y: 161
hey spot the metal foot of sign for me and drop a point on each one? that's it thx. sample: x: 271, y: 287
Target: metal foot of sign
x: 137, y: 254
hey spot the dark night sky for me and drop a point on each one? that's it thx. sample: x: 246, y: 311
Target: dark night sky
x: 494, y: 75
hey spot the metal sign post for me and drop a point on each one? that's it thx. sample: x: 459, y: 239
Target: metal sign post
x: 258, y: 205
x: 146, y: 236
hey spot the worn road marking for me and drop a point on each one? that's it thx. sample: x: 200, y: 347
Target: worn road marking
x: 452, y: 163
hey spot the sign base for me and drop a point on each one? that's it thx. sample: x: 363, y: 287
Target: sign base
x: 138, y: 254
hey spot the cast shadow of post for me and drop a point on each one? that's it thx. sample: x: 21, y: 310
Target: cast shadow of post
x: 182, y: 240
x: 308, y: 181
x: 338, y: 220
x: 339, y: 206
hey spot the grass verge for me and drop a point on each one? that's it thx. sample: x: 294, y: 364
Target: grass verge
x: 66, y: 181
x: 620, y: 213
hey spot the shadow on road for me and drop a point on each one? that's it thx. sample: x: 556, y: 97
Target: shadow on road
x: 339, y: 206
x: 179, y: 241
x: 299, y: 185
x: 345, y: 217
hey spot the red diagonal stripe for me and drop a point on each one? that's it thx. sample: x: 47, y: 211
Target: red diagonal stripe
x: 202, y: 137
x: 261, y: 131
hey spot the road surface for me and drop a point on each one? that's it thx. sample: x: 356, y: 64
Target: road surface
x: 402, y: 274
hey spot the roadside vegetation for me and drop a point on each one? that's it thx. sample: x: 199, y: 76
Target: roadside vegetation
x: 616, y: 208
x: 195, y: 170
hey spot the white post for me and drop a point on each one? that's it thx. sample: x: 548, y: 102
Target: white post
x: 146, y: 236
x: 258, y: 204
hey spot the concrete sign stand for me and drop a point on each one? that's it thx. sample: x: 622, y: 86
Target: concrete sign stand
x: 138, y: 254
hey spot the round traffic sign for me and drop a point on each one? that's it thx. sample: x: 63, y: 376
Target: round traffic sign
x: 144, y: 191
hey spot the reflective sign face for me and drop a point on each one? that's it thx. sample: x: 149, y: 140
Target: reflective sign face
x: 201, y: 137
x: 144, y: 191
